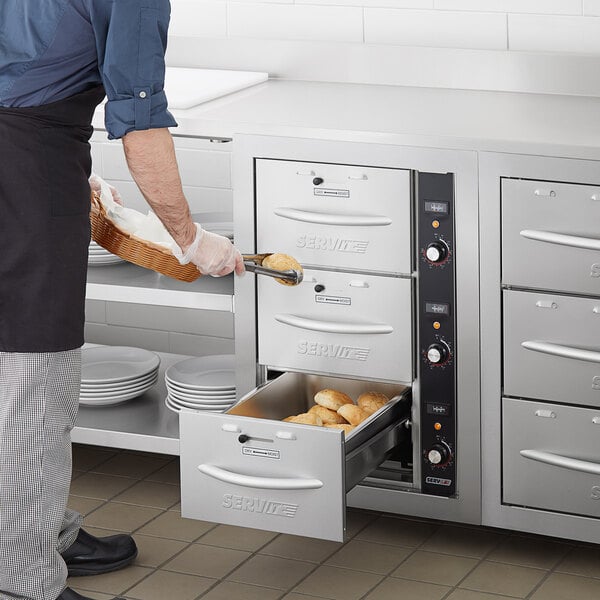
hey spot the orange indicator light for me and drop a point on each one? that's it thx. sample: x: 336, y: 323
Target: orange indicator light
x: 437, y: 426
x: 436, y: 325
x: 435, y: 224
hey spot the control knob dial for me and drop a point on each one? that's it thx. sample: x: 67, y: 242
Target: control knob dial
x: 438, y: 454
x: 436, y: 252
x: 438, y: 353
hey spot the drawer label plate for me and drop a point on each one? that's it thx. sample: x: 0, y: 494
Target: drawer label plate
x: 332, y: 192
x: 261, y: 452
x: 333, y: 299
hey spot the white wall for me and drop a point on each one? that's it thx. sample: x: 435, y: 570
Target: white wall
x: 543, y: 45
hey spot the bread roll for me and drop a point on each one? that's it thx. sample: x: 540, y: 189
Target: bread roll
x: 289, y: 419
x: 332, y: 399
x: 282, y: 262
x: 371, y: 402
x: 327, y: 415
x: 353, y: 414
x: 307, y: 419
x: 345, y: 427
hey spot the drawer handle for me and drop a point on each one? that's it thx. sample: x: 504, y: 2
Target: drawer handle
x: 563, y: 351
x: 307, y: 216
x: 306, y: 173
x: 332, y: 326
x: 361, y: 177
x: 544, y: 193
x: 561, y: 239
x: 556, y: 460
x: 262, y: 483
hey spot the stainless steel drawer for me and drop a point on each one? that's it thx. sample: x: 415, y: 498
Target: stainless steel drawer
x: 358, y: 218
x: 339, y: 324
x: 551, y: 457
x: 248, y: 468
x: 552, y: 347
x: 551, y: 236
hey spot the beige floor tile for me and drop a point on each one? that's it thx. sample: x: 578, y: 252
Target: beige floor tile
x: 172, y: 526
x: 500, y: 578
x: 229, y: 590
x: 132, y: 465
x: 435, y: 568
x: 470, y: 595
x: 297, y: 596
x: 529, y: 552
x: 338, y: 584
x: 357, y: 519
x: 153, y: 551
x: 99, y: 531
x: 84, y: 506
x: 87, y: 457
x: 366, y: 556
x: 94, y: 595
x: 463, y: 541
x: 238, y: 538
x: 271, y: 571
x: 560, y: 586
x: 395, y: 589
x: 110, y: 583
x: 207, y: 561
x: 582, y: 560
x: 122, y: 517
x: 150, y: 493
x: 168, y: 474
x: 400, y: 532
x: 301, y: 548
x: 103, y: 487
x: 75, y: 474
x: 176, y: 507
x: 163, y: 585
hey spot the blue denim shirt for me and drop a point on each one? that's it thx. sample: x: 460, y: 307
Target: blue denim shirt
x: 53, y: 49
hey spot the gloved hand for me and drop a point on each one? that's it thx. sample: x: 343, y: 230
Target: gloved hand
x: 213, y: 254
x: 96, y: 184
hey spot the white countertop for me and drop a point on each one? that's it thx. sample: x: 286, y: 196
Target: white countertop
x: 553, y: 125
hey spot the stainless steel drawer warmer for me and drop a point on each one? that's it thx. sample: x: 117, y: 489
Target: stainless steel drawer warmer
x: 551, y: 236
x: 551, y: 457
x: 247, y: 467
x: 552, y: 347
x: 335, y: 216
x: 338, y: 323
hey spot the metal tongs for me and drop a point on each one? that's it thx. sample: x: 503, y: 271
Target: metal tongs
x: 253, y: 263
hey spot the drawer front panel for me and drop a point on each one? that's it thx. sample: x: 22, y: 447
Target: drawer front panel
x: 249, y: 468
x: 551, y: 457
x: 337, y: 323
x: 552, y: 347
x: 551, y: 236
x: 358, y: 218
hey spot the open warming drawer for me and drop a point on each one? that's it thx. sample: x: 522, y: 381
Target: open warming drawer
x: 247, y: 467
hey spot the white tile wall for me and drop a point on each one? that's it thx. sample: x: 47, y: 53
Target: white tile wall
x: 468, y: 24
x: 445, y: 29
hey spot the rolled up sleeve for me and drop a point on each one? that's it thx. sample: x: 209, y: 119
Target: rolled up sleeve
x: 132, y: 45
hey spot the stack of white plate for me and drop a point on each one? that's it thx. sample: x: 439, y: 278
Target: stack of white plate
x: 203, y: 383
x: 113, y: 374
x: 97, y: 255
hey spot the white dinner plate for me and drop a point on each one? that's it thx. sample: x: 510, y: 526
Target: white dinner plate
x: 199, y: 392
x: 204, y: 373
x: 199, y: 406
x: 172, y: 406
x: 120, y: 386
x: 109, y: 401
x: 113, y: 364
x: 200, y: 398
x: 110, y: 394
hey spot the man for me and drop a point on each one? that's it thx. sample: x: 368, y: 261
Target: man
x: 58, y: 58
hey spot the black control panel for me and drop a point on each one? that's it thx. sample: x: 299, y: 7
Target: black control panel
x: 437, y: 331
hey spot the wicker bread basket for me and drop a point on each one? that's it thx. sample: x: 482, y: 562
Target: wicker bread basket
x: 133, y: 249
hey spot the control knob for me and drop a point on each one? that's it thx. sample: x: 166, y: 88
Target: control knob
x: 438, y: 353
x: 439, y: 454
x: 436, y: 252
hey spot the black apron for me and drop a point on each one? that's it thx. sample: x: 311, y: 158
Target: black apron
x: 45, y: 164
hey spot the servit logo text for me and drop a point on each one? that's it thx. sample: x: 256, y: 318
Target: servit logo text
x: 259, y: 505
x: 595, y: 270
x: 333, y: 350
x: 331, y: 244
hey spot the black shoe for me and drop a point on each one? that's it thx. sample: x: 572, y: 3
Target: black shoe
x: 69, y: 594
x: 90, y: 555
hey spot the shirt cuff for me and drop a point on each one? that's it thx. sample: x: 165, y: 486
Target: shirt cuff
x: 144, y: 110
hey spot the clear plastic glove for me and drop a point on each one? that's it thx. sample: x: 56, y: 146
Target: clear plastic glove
x: 213, y: 254
x: 97, y: 183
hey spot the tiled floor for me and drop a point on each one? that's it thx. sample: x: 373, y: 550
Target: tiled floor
x: 385, y: 558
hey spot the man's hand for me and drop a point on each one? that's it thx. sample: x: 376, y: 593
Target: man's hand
x: 96, y: 184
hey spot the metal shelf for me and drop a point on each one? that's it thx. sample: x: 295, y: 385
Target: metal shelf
x: 144, y: 423
x: 125, y: 282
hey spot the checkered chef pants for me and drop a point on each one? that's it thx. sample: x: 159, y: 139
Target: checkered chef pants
x: 39, y: 394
